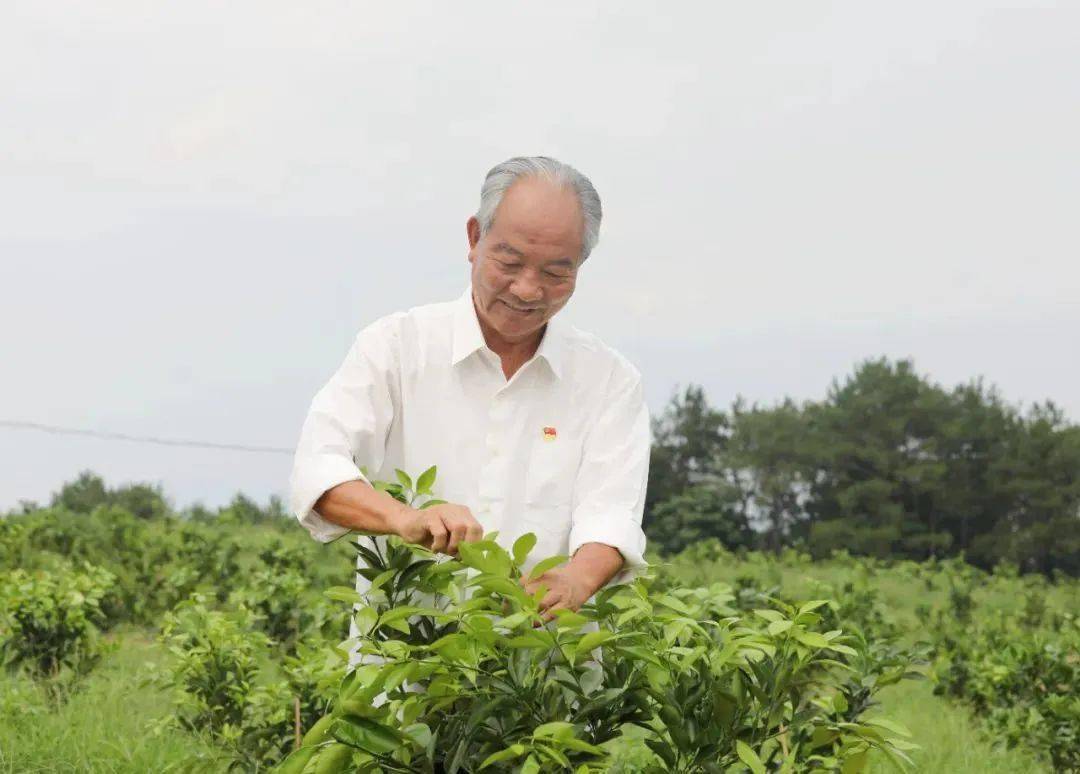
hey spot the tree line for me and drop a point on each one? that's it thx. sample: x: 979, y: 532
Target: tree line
x: 888, y: 464
x: 88, y: 491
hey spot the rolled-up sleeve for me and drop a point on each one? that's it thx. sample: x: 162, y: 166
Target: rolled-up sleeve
x: 346, y: 426
x: 609, y: 492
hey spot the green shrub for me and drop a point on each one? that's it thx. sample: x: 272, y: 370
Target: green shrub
x: 287, y: 609
x: 49, y: 620
x: 1024, y: 682
x: 217, y: 692
x: 456, y: 671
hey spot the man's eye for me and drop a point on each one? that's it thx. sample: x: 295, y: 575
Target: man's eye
x: 510, y: 266
x: 555, y: 275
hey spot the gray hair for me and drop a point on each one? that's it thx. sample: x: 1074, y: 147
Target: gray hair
x: 503, y: 175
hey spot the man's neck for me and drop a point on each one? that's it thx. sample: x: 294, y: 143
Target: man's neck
x: 513, y: 354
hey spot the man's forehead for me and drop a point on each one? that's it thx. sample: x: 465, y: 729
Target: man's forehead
x: 543, y: 252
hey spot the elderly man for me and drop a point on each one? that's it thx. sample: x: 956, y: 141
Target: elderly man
x: 535, y: 426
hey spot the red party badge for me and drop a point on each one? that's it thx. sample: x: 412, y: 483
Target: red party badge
x: 549, y: 434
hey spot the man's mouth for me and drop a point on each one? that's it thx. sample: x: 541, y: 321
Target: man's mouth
x: 519, y: 309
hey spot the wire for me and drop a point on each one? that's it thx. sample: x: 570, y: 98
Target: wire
x: 106, y: 436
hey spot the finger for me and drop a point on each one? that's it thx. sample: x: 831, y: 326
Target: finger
x: 549, y: 615
x: 457, y: 534
x: 474, y: 532
x: 535, y: 587
x: 439, y: 536
x: 550, y: 599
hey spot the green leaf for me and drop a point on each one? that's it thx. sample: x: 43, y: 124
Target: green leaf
x: 426, y: 481
x: 296, y: 762
x: 317, y: 733
x: 592, y: 639
x: 545, y: 565
x: 890, y: 725
x: 403, y: 477
x: 513, y: 751
x: 558, y: 729
x: 529, y: 640
x: 430, y: 503
x: 843, y: 649
x: 522, y: 546
x: 769, y: 615
x: 749, y: 757
x: 366, y: 734
x: 344, y: 594
x: 812, y: 639
x: 398, y: 614
x: 779, y: 627
x: 567, y: 620
x: 419, y: 733
x: 365, y: 619
x: 581, y: 746
x: 853, y: 764
x: 333, y: 759
x: 382, y: 578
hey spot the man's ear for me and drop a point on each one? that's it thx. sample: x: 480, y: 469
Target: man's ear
x: 472, y: 228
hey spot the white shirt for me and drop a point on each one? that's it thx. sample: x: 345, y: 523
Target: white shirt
x: 561, y: 449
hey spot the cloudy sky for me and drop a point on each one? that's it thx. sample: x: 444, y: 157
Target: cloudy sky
x: 202, y: 202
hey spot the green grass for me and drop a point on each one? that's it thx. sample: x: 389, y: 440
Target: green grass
x: 951, y: 739
x: 104, y: 726
x: 101, y: 728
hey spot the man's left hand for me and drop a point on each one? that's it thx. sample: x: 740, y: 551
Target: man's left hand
x: 567, y: 590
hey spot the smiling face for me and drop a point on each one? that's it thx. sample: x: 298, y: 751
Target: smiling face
x: 525, y: 268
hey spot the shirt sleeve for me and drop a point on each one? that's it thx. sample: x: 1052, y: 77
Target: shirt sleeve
x: 609, y: 493
x: 346, y: 426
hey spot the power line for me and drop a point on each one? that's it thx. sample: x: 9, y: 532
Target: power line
x: 106, y: 436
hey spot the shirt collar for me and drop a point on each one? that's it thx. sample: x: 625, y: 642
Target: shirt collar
x: 468, y: 338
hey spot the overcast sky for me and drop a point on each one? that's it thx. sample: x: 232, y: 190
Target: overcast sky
x: 202, y: 202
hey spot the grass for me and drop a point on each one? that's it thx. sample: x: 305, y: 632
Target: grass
x: 952, y: 741
x: 102, y: 727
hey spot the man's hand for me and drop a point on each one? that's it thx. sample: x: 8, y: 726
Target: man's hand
x: 571, y: 585
x: 568, y: 589
x: 440, y: 528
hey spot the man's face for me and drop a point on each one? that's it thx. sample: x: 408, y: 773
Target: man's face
x: 525, y: 268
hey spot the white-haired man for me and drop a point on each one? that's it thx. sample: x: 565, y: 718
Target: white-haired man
x: 534, y: 425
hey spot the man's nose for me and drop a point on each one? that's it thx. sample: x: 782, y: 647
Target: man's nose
x: 526, y: 290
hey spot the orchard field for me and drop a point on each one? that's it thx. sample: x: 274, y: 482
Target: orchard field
x: 135, y: 639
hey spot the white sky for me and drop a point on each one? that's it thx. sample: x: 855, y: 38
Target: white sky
x: 201, y: 203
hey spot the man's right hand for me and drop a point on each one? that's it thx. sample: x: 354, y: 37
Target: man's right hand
x: 440, y: 528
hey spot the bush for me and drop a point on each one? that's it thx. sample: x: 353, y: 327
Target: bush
x: 498, y: 691
x: 215, y: 681
x: 49, y: 620
x: 1024, y: 681
x: 286, y: 608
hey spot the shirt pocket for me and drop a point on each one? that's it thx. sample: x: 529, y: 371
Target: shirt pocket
x: 549, y: 478
x: 551, y: 525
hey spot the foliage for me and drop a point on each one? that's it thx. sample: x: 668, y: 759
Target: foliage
x: 49, y: 620
x: 701, y: 512
x: 1021, y: 671
x: 88, y: 491
x: 284, y: 608
x: 158, y: 563
x: 215, y: 678
x: 456, y: 671
x: 888, y: 464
